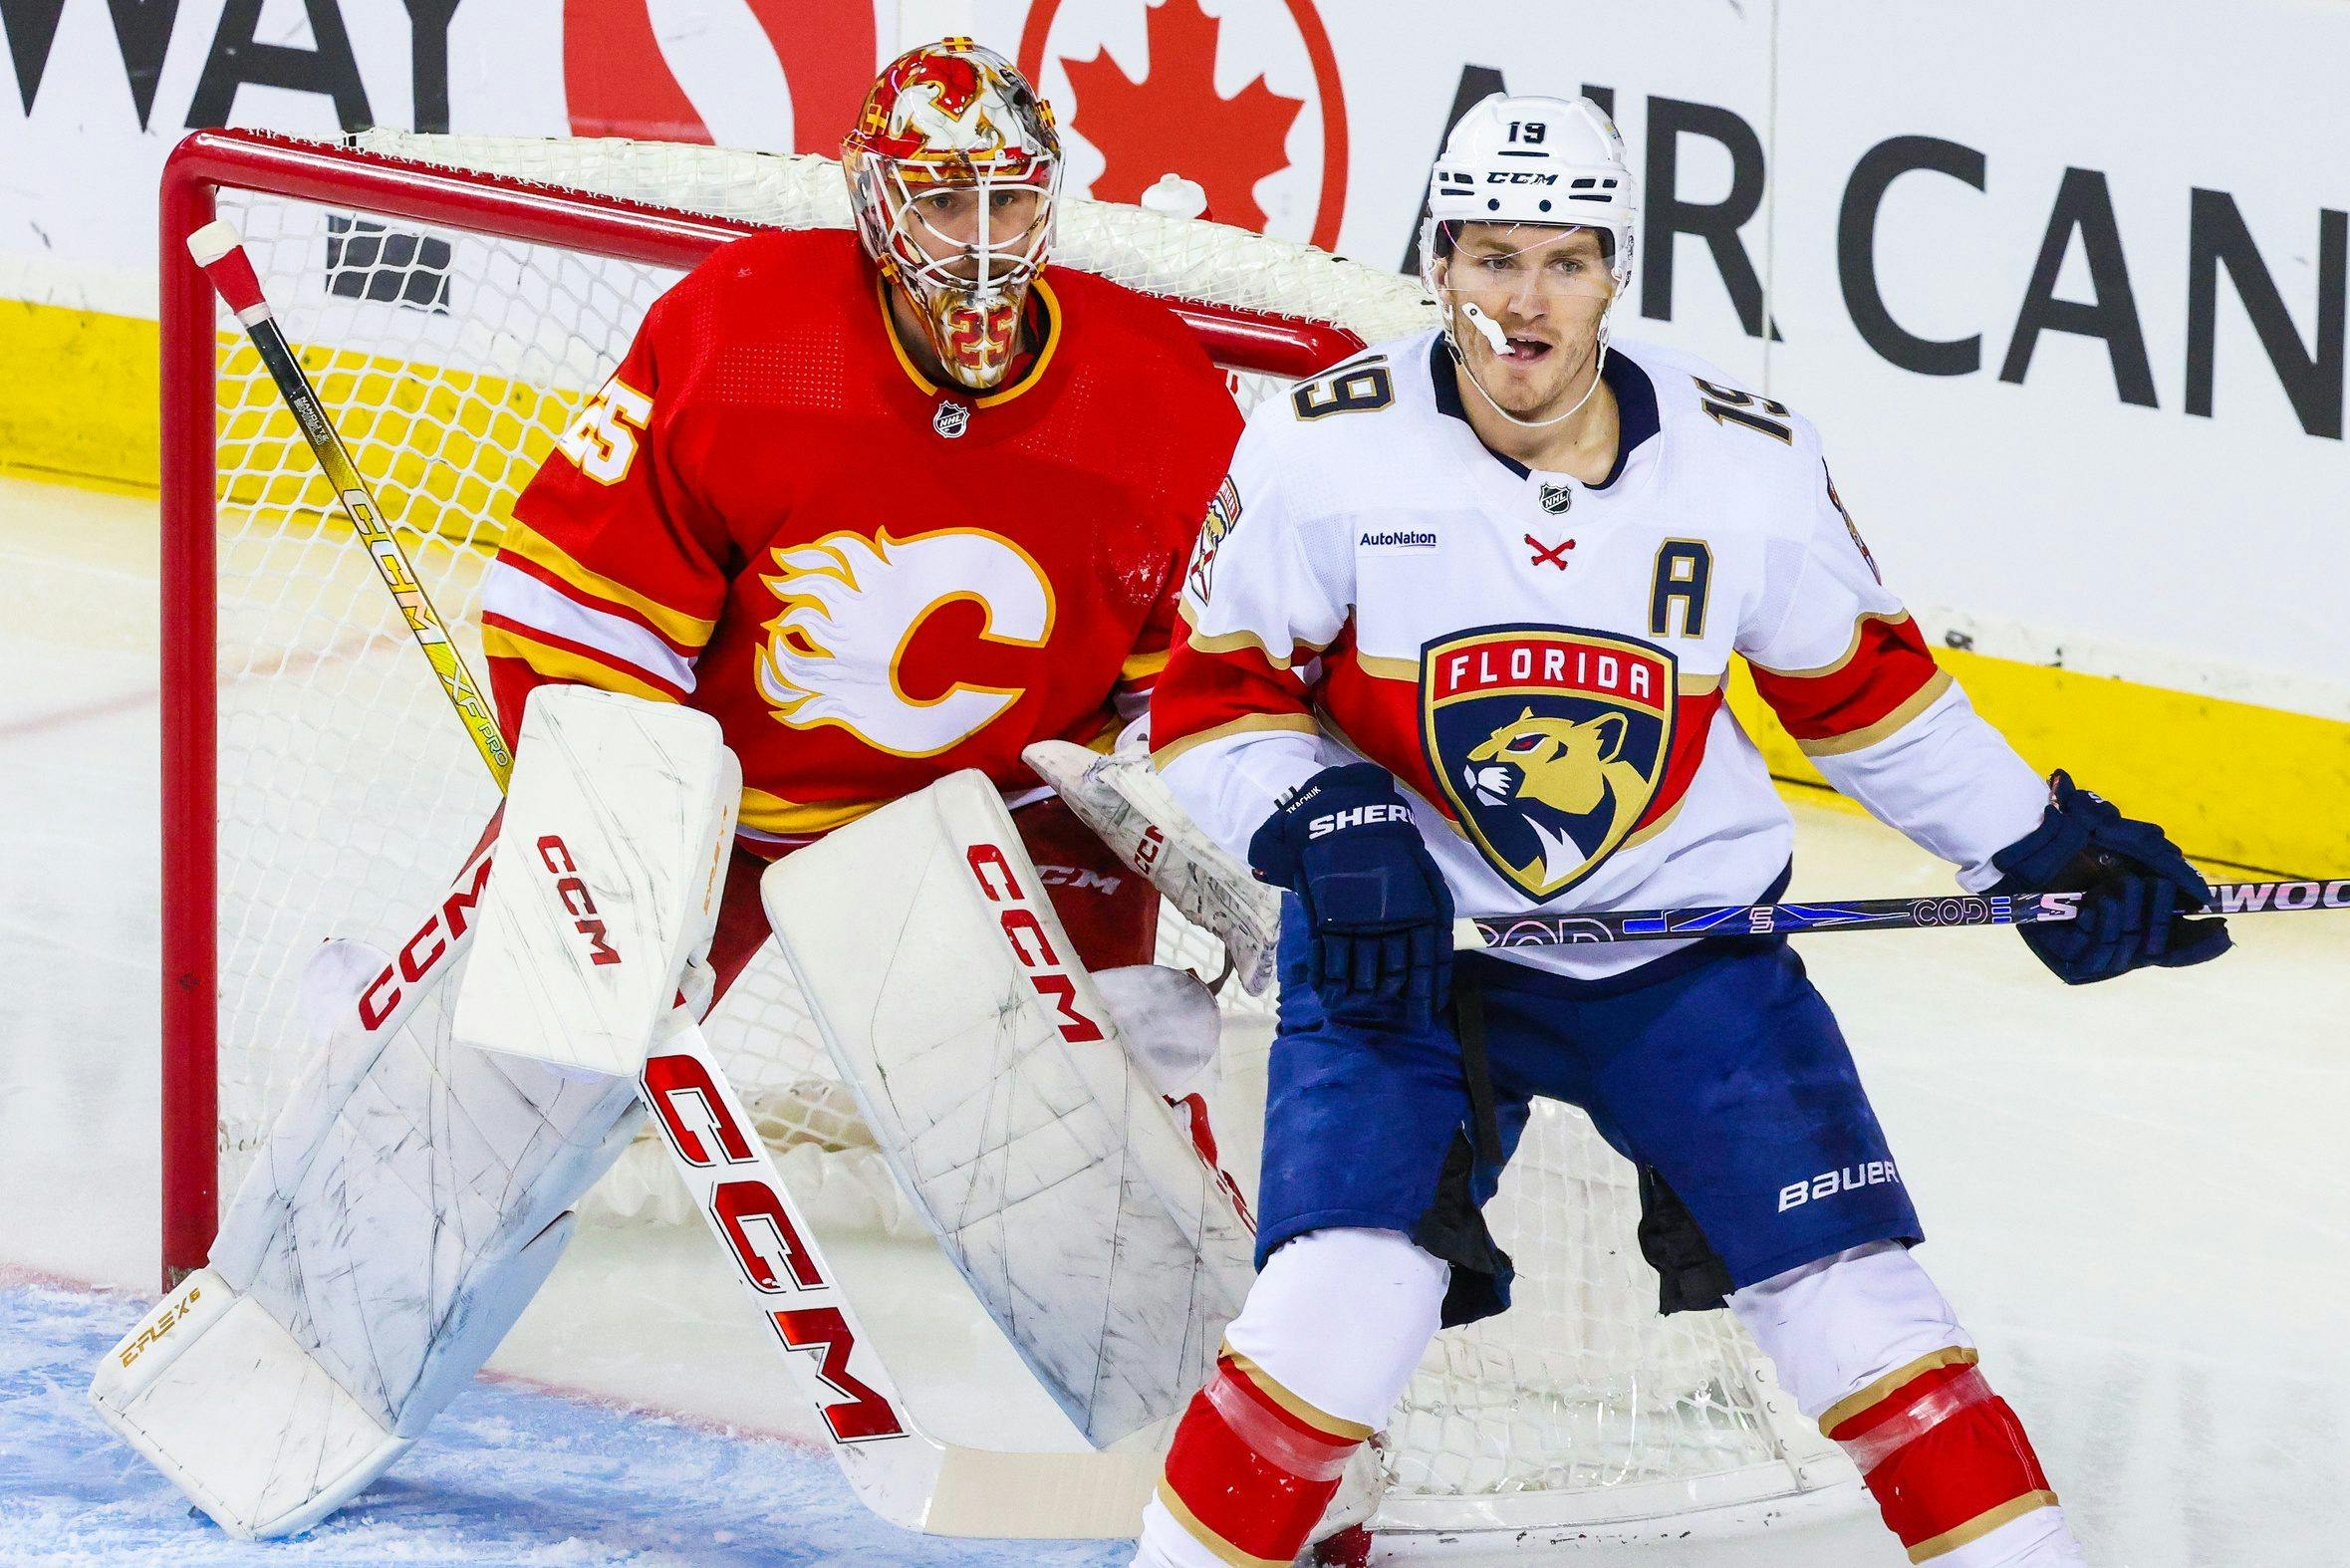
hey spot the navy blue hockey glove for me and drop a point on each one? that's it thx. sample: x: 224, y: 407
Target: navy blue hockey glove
x: 2141, y: 896
x: 1378, y: 907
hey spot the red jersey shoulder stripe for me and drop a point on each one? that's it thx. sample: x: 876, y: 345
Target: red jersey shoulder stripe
x: 1885, y: 679
x: 524, y: 544
x: 560, y: 658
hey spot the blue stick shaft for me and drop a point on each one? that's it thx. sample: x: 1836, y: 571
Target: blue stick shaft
x: 1857, y: 915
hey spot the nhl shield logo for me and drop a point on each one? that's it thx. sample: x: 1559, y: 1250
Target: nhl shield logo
x: 1548, y: 741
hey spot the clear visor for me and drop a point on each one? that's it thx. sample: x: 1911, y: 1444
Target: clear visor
x: 979, y: 235
x: 1495, y: 264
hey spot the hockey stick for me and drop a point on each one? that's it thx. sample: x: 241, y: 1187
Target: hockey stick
x: 221, y: 252
x: 902, y: 1472
x: 1537, y: 930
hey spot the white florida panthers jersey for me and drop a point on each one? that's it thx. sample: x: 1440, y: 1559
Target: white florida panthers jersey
x: 1540, y: 661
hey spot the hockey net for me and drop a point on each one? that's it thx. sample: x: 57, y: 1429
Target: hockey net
x: 454, y: 298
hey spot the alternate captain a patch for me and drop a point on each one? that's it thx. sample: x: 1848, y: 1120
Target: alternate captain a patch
x: 1548, y: 741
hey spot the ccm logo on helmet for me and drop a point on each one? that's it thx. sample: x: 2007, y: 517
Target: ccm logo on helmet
x: 556, y: 857
x: 1519, y: 176
x: 1355, y: 817
x: 992, y: 869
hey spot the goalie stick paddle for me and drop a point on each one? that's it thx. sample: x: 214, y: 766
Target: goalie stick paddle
x: 902, y: 1472
x: 1538, y: 930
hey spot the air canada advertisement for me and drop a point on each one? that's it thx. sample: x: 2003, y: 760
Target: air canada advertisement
x: 2063, y: 287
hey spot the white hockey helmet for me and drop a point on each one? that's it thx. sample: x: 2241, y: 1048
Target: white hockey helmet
x: 1530, y: 159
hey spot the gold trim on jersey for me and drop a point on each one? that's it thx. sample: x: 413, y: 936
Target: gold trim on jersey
x: 766, y: 813
x: 1245, y: 725
x: 1383, y: 668
x: 1142, y: 666
x: 1859, y: 627
x: 688, y: 632
x: 929, y: 389
x: 1884, y: 728
x: 563, y: 663
x: 1337, y: 731
x: 1241, y: 641
x: 1380, y: 667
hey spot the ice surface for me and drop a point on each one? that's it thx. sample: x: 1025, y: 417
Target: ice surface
x: 2137, y: 1194
x: 513, y: 1475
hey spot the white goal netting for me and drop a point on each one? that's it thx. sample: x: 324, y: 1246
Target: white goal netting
x: 451, y: 357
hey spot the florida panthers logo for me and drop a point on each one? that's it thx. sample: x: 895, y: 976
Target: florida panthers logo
x: 851, y: 608
x: 1549, y: 742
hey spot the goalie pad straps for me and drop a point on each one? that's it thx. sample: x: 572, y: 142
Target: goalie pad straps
x: 1251, y: 1469
x: 1946, y: 1459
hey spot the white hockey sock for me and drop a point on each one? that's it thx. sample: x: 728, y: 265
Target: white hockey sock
x: 1331, y: 1333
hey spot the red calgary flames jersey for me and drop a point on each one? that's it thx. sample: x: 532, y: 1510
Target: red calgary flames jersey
x: 869, y: 580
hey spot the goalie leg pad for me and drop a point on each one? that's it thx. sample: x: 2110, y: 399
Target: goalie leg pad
x: 991, y: 1072
x: 409, y: 1202
x: 1110, y: 911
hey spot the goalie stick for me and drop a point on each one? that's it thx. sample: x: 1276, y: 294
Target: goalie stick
x: 1538, y: 930
x: 902, y: 1472
x: 221, y: 252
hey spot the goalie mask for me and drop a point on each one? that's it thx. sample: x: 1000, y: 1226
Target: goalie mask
x: 953, y: 172
x: 1521, y: 170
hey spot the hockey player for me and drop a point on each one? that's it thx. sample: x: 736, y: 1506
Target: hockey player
x: 1456, y: 638
x: 883, y: 505
x: 879, y: 506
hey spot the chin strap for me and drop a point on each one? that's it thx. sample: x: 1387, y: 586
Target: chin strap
x: 1491, y: 331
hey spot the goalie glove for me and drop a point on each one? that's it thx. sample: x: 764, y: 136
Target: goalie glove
x: 1125, y: 801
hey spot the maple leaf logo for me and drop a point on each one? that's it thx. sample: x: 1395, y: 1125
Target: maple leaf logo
x: 1173, y: 122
